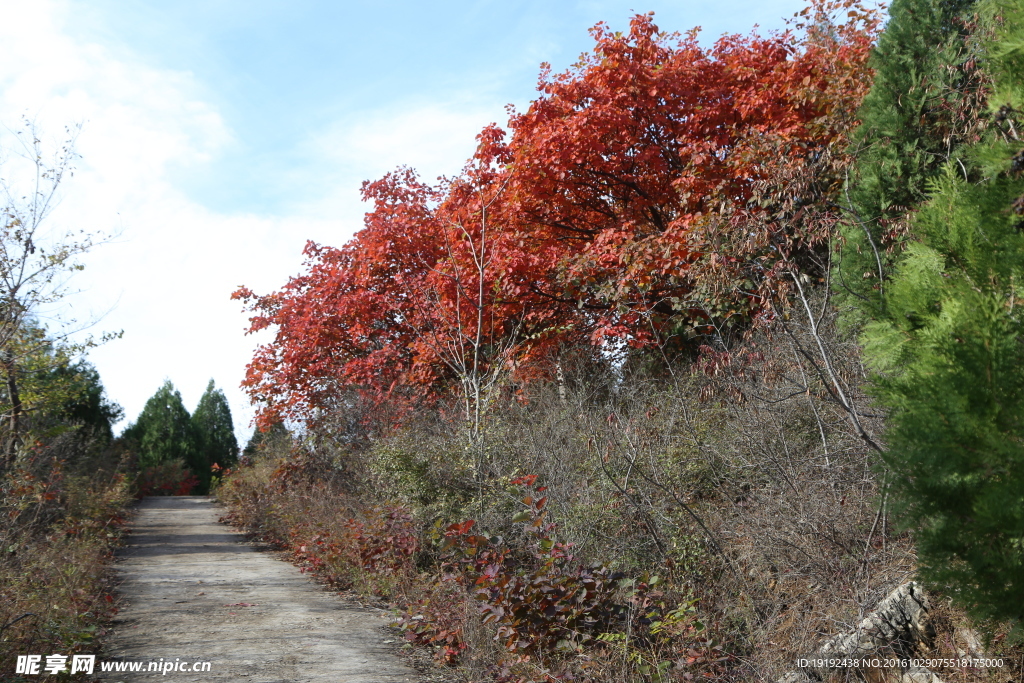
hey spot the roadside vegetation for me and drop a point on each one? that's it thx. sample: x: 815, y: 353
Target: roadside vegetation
x: 178, y: 453
x: 627, y: 525
x: 64, y: 502
x: 65, y: 480
x: 66, y: 496
x: 64, y: 483
x: 695, y: 363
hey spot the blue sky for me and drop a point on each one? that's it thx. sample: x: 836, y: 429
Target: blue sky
x: 219, y: 135
x: 279, y: 72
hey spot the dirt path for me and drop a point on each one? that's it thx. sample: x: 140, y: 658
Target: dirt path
x: 193, y: 591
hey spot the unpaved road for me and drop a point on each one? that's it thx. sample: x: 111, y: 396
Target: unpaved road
x: 184, y: 577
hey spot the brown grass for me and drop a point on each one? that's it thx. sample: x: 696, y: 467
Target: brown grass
x: 744, y: 485
x: 57, y: 530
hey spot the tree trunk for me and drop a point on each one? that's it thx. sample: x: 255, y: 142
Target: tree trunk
x: 14, y: 430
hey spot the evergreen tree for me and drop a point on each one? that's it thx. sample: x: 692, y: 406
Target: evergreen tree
x: 88, y: 406
x: 55, y: 392
x: 164, y: 432
x: 214, y: 428
x: 948, y: 353
x: 921, y: 109
x: 276, y: 440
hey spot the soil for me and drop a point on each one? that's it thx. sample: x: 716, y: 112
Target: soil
x: 193, y: 590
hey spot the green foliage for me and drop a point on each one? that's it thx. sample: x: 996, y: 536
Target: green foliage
x: 1006, y: 57
x: 433, y: 478
x: 164, y: 432
x: 921, y: 109
x: 949, y: 355
x: 88, y: 406
x: 56, y: 393
x: 214, y: 428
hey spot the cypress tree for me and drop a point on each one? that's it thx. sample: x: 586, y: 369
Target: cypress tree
x: 164, y: 432
x: 214, y: 428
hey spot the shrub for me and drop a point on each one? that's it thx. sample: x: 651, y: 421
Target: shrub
x: 56, y: 537
x: 171, y: 478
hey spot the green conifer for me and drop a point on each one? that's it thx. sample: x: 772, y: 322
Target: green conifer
x: 276, y: 440
x: 164, y: 432
x: 948, y: 351
x: 214, y: 428
x: 920, y: 110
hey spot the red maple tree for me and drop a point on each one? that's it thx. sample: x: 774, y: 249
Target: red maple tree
x: 654, y: 193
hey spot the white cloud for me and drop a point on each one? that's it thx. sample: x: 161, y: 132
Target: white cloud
x: 432, y: 137
x: 172, y: 267
x: 169, y: 272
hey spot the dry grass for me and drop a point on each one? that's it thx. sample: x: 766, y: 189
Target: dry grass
x: 744, y: 485
x: 57, y: 530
